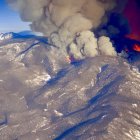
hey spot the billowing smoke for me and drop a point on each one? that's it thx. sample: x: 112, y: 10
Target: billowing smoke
x: 68, y: 23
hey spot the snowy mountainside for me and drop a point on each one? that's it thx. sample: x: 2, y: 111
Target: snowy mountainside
x: 44, y: 97
x: 6, y: 36
x: 13, y: 35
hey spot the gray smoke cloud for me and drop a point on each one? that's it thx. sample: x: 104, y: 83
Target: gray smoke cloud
x: 67, y: 23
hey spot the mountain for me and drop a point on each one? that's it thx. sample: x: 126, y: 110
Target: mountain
x: 27, y: 32
x: 22, y: 34
x: 11, y: 37
x: 43, y: 96
x: 8, y: 36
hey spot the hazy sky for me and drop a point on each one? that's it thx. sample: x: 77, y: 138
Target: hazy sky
x: 10, y: 20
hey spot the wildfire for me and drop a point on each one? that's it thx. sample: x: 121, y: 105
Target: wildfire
x: 70, y: 59
x: 136, y: 47
x: 133, y: 36
x: 131, y: 12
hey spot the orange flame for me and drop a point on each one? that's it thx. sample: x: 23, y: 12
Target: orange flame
x: 131, y: 12
x: 133, y: 36
x: 68, y: 59
x: 136, y: 47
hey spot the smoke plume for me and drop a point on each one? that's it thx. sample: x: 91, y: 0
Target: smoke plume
x: 66, y: 23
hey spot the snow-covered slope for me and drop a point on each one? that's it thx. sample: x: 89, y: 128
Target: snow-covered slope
x: 12, y: 35
x: 44, y: 97
x: 6, y: 36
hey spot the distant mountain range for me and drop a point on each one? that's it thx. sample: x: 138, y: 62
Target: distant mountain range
x: 27, y: 32
x: 20, y: 35
x: 10, y: 35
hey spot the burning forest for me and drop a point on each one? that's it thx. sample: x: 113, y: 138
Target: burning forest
x: 79, y: 78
